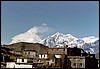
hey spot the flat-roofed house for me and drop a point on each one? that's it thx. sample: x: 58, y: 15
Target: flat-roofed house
x: 77, y: 61
x: 30, y: 53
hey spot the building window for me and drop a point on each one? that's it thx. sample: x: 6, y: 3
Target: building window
x: 80, y: 64
x: 41, y: 55
x: 22, y: 60
x: 74, y: 64
x: 28, y: 52
x: 91, y: 56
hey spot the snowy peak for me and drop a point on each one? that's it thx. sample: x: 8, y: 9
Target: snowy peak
x: 90, y: 39
x: 29, y: 36
x: 71, y: 36
x: 57, y: 34
x: 32, y: 30
x: 58, y: 39
x: 26, y: 37
x: 89, y: 44
x: 32, y: 35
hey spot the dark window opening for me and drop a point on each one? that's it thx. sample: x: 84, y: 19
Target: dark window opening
x: 80, y: 64
x: 74, y: 64
x: 28, y: 52
x: 22, y: 60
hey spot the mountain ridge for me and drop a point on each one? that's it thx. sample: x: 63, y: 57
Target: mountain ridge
x: 89, y: 44
x: 60, y: 40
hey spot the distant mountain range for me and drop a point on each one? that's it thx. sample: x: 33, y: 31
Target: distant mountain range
x: 89, y: 44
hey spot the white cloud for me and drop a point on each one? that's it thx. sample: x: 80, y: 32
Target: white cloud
x: 44, y: 24
x: 35, y: 34
x: 39, y: 29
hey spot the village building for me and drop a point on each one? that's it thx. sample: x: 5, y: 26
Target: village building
x: 30, y: 53
x: 72, y: 58
x: 77, y: 61
x: 23, y: 63
x: 10, y: 64
x: 29, y: 56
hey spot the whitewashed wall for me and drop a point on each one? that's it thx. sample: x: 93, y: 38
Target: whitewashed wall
x: 43, y: 56
x: 30, y: 54
x: 20, y: 61
x: 10, y: 65
x: 58, y: 56
x: 23, y: 66
x: 77, y: 61
x: 51, y: 61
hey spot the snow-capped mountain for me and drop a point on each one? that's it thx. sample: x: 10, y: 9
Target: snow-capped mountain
x: 29, y: 36
x: 33, y: 35
x: 89, y: 44
x: 58, y: 39
x: 26, y: 37
x: 90, y: 39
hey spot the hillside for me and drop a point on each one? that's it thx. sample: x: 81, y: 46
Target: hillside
x: 28, y: 46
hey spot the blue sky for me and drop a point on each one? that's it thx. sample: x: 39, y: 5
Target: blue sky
x: 79, y: 18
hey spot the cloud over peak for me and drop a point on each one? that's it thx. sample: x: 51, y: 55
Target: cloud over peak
x: 38, y: 30
x: 44, y: 24
x: 35, y: 34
